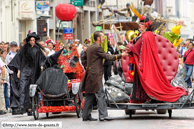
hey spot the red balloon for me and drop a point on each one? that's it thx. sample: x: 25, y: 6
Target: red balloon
x: 65, y: 12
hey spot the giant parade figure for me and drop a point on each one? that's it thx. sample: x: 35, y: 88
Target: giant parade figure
x: 150, y: 81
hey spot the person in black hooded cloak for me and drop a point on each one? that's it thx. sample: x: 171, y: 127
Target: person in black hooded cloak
x: 27, y: 66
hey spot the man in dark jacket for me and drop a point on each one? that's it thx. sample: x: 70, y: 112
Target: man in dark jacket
x: 92, y: 60
x: 108, y: 64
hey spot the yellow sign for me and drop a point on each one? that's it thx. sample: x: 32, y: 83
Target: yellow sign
x: 25, y: 6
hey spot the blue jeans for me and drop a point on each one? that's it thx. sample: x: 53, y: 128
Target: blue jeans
x: 5, y: 85
x: 188, y: 72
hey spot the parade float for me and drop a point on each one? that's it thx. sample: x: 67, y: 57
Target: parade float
x: 119, y: 88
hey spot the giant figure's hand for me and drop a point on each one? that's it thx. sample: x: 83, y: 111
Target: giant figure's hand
x: 125, y: 54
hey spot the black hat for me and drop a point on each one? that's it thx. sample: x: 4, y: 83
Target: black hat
x: 52, y: 60
x: 33, y: 34
x: 56, y: 55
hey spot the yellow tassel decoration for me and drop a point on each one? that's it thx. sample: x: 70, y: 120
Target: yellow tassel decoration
x: 134, y: 10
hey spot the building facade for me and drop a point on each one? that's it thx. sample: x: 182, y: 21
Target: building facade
x: 81, y: 23
x: 18, y: 17
x: 178, y: 10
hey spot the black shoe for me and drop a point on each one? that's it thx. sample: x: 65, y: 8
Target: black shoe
x: 89, y: 119
x: 30, y: 113
x: 95, y: 107
x: 105, y: 118
x: 17, y: 111
x: 14, y: 112
x: 2, y: 113
x: 108, y: 118
x: 101, y: 119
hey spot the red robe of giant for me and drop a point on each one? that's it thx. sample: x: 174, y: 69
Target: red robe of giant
x: 152, y: 78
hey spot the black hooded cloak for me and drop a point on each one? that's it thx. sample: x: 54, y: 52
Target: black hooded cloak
x: 28, y: 60
x: 53, y: 80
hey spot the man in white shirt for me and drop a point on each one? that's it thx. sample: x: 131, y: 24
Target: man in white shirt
x: 50, y: 48
x: 79, y: 46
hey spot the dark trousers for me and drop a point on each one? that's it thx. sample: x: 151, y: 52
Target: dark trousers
x: 90, y: 98
x: 107, y: 72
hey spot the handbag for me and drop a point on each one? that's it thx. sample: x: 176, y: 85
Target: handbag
x: 184, y: 59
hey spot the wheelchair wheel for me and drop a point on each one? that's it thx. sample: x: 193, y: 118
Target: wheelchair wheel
x: 35, y: 106
x: 77, y: 102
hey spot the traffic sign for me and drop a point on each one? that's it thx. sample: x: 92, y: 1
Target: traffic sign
x: 77, y: 2
x: 68, y: 36
x: 98, y: 28
x: 68, y: 31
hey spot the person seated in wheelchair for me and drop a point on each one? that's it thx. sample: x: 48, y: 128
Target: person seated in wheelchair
x: 53, y: 81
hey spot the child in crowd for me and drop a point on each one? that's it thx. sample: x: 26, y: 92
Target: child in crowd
x: 2, y: 98
x: 5, y: 85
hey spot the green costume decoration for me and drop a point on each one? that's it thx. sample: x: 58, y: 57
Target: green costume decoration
x: 70, y: 51
x: 171, y: 36
x: 120, y: 48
